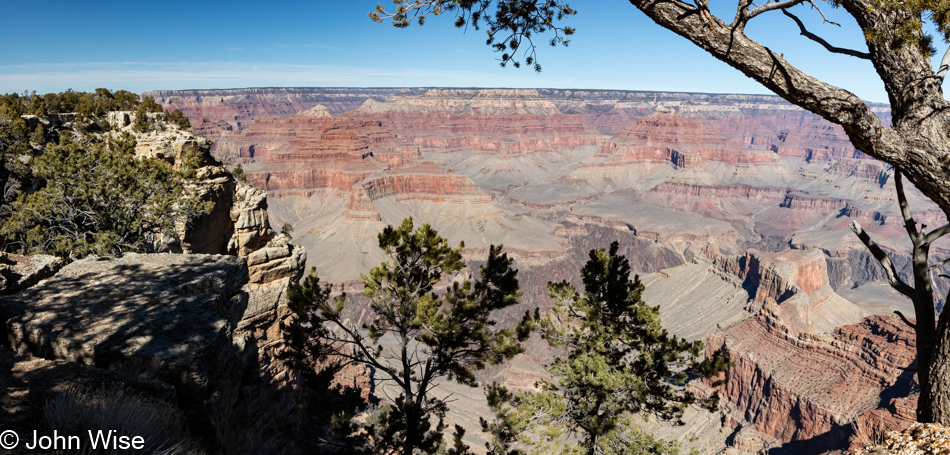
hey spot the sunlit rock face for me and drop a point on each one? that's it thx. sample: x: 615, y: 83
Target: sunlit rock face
x: 733, y: 208
x: 804, y: 390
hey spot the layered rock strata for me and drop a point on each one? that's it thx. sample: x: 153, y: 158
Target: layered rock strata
x: 824, y: 382
x: 700, y: 177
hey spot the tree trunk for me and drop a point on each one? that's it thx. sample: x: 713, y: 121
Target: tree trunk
x: 937, y: 400
x: 411, y: 439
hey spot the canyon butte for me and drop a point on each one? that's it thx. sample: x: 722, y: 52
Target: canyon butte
x: 734, y: 210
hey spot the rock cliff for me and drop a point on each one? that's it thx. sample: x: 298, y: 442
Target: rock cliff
x: 193, y: 336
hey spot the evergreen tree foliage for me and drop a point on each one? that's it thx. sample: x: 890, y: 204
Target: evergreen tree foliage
x: 97, y: 198
x: 416, y: 336
x: 86, y: 105
x: 178, y: 118
x: 618, y: 362
x: 238, y: 173
x: 39, y: 135
x: 140, y: 122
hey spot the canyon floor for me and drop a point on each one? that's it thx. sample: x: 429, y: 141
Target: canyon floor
x: 734, y: 209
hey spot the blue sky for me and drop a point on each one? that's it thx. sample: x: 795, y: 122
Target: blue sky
x: 140, y: 46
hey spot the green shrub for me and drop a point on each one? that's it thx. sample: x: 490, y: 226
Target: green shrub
x: 98, y: 199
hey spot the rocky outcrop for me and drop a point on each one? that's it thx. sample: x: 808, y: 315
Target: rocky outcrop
x: 778, y: 276
x: 824, y: 382
x: 172, y: 314
x: 797, y: 280
x: 248, y: 215
x: 163, y: 140
x: 196, y: 332
x: 918, y: 439
x: 198, y: 323
x: 19, y: 272
x: 238, y: 222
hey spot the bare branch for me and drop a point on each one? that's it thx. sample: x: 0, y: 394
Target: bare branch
x: 944, y: 65
x: 906, y: 321
x: 879, y: 254
x: 940, y: 264
x: 823, y: 17
x: 742, y: 11
x: 937, y: 233
x: 824, y: 43
x: 772, y: 7
x: 909, y: 224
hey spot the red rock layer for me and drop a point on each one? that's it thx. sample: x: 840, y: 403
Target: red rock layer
x: 686, y: 143
x: 870, y: 170
x: 801, y: 203
x: 304, y: 178
x: 214, y: 113
x: 823, y: 382
x: 668, y: 128
x: 425, y: 178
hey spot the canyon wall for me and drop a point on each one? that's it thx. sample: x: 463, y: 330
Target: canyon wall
x: 738, y: 204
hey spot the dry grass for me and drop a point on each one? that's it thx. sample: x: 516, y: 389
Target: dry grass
x: 162, y: 425
x: 871, y: 432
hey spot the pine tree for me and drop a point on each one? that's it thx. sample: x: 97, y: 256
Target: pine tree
x: 619, y: 362
x: 417, y: 336
x: 39, y: 135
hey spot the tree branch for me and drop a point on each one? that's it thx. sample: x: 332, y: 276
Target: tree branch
x: 937, y: 233
x: 909, y: 224
x: 944, y: 65
x: 906, y: 321
x: 772, y: 7
x: 823, y: 17
x: 819, y: 40
x: 940, y: 264
x: 879, y: 254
